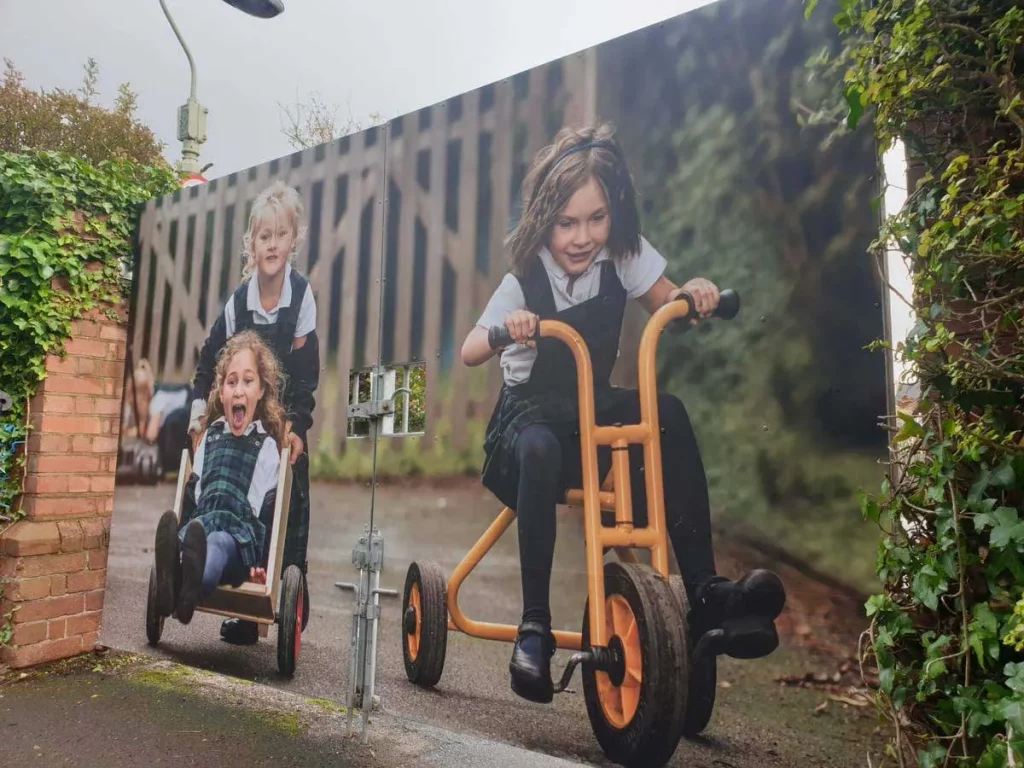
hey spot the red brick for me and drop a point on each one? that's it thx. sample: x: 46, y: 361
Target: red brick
x: 28, y: 589
x: 78, y: 483
x: 102, y: 484
x: 58, y: 629
x: 50, y: 608
x: 86, y: 581
x: 107, y: 406
x: 11, y: 567
x: 27, y: 538
x: 56, y: 365
x: 97, y: 560
x: 47, y: 565
x: 87, y: 622
x: 105, y: 445
x: 62, y: 464
x: 50, y: 443
x: 71, y: 425
x: 89, y: 640
x: 86, y: 348
x: 95, y: 533
x: 45, y: 484
x: 59, y: 404
x: 85, y: 329
x: 58, y: 585
x: 71, y: 537
x: 53, y: 507
x: 113, y: 332
x: 85, y: 404
x: 27, y: 634
x: 77, y: 385
x: 94, y: 600
x: 41, y: 653
x: 109, y: 369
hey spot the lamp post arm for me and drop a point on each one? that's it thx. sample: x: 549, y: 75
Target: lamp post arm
x: 188, y: 53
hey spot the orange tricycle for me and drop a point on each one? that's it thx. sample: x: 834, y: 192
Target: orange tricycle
x: 643, y: 684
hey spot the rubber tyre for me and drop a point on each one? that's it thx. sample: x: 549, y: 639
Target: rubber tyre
x: 651, y: 736
x: 703, y: 681
x: 289, y: 622
x: 154, y: 621
x: 425, y: 663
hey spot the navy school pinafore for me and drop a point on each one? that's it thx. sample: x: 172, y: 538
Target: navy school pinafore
x: 551, y: 395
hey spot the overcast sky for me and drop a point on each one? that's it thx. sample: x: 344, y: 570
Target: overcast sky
x: 387, y: 57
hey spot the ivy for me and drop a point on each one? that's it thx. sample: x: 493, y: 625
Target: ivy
x: 947, y: 629
x: 65, y: 248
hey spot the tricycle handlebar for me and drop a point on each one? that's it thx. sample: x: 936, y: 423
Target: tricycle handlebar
x: 498, y: 336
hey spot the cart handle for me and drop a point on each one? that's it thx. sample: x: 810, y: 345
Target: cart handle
x: 499, y: 337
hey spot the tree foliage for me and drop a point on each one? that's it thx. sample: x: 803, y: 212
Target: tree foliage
x: 745, y: 184
x: 946, y: 77
x: 313, y: 122
x: 72, y: 122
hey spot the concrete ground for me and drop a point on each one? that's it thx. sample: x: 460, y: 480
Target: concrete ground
x: 757, y: 721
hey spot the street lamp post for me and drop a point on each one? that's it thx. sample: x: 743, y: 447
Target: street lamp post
x: 192, y: 115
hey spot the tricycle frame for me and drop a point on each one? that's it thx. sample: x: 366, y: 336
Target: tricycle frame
x: 615, y: 496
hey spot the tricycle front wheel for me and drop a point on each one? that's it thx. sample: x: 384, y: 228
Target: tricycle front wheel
x: 424, y: 623
x: 636, y: 709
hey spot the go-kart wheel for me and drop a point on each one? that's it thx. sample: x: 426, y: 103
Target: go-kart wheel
x: 424, y: 623
x: 154, y: 621
x: 636, y: 710
x: 289, y: 621
x: 305, y: 602
x: 703, y: 680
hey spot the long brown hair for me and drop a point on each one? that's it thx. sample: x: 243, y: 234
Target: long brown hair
x: 269, y: 409
x: 561, y: 168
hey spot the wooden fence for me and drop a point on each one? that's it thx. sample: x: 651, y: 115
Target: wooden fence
x: 406, y: 223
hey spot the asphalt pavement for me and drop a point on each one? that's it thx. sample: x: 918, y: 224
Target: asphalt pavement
x: 757, y: 722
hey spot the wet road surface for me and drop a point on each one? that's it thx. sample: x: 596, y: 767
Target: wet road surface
x: 756, y: 721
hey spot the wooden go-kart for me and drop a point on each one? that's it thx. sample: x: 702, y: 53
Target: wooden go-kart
x: 279, y: 601
x: 644, y: 686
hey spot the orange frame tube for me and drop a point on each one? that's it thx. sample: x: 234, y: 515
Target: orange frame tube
x: 598, y: 537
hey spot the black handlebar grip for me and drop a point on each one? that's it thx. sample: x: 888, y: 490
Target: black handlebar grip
x: 728, y: 303
x: 498, y: 336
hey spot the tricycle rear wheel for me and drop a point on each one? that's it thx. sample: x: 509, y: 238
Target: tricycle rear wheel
x: 289, y: 621
x: 703, y: 679
x: 424, y: 623
x: 637, y: 711
x: 154, y: 621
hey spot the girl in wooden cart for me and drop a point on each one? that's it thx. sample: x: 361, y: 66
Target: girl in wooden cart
x: 275, y: 301
x: 577, y: 256
x: 229, y: 498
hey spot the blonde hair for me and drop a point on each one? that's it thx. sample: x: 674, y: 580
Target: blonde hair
x: 269, y: 409
x: 561, y: 168
x: 277, y: 198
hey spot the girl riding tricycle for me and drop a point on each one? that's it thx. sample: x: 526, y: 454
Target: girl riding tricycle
x: 648, y: 642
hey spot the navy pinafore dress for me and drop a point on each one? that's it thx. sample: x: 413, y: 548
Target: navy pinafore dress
x: 551, y: 395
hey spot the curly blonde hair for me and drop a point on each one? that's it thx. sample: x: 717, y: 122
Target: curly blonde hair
x: 277, y: 198
x: 269, y: 409
x: 559, y: 169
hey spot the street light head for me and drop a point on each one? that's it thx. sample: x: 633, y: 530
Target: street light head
x: 264, y: 9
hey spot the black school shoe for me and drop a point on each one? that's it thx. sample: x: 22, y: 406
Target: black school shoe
x: 239, y: 632
x: 746, y: 610
x: 193, y: 563
x: 531, y: 663
x: 166, y: 557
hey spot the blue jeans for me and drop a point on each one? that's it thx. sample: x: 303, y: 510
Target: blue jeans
x: 223, y: 563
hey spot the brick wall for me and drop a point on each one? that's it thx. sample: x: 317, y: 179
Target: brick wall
x: 54, y: 562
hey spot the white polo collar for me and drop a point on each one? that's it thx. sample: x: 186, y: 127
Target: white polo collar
x: 252, y: 296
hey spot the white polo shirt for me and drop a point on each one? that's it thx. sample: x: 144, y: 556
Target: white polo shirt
x: 305, y: 322
x: 637, y: 273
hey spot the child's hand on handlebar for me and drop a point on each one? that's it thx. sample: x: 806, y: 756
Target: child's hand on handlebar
x: 522, y: 325
x: 705, y: 296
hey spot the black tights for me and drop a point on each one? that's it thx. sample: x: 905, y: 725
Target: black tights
x: 544, y: 456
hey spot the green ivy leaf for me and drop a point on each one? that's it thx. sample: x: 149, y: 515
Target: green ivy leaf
x: 853, y: 95
x: 1008, y: 528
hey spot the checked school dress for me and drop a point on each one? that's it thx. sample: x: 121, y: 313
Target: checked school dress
x: 551, y: 394
x: 301, y: 369
x: 225, y: 483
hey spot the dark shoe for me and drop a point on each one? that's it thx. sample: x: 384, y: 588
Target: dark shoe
x: 166, y: 554
x: 239, y: 632
x: 745, y: 610
x: 531, y: 663
x: 193, y: 563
